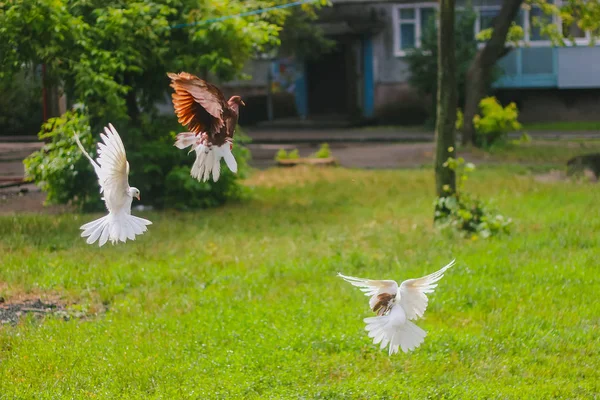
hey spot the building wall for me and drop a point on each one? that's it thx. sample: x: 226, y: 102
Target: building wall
x: 579, y: 67
x: 554, y: 105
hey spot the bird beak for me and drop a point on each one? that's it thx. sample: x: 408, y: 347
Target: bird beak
x: 138, y: 197
x: 242, y: 103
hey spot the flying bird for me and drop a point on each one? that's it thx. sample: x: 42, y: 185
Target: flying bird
x: 112, y: 170
x: 211, y: 120
x: 396, y: 306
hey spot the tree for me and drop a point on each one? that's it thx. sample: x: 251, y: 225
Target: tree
x: 480, y: 72
x: 445, y: 179
x: 583, y: 15
x: 112, y: 56
x: 423, y: 62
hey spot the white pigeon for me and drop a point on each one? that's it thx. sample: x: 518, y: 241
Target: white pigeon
x: 396, y: 307
x: 112, y: 169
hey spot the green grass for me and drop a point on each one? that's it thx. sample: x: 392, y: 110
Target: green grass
x: 563, y: 126
x: 243, y: 301
x: 556, y: 152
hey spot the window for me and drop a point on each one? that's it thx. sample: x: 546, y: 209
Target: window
x: 409, y: 24
x: 528, y: 18
x: 486, y: 18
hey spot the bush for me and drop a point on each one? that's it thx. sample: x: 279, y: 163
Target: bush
x: 157, y: 168
x: 494, y: 123
x: 323, y: 151
x: 59, y: 168
x: 281, y: 155
x: 294, y: 155
x: 460, y: 212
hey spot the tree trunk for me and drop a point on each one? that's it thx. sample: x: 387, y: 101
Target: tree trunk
x: 445, y: 136
x: 480, y: 71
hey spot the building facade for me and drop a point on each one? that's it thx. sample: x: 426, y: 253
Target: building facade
x: 366, y: 76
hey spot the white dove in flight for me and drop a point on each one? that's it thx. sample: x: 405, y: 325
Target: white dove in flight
x: 396, y: 307
x: 112, y: 169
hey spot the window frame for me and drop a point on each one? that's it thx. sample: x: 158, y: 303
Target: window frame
x: 398, y: 51
x: 527, y: 42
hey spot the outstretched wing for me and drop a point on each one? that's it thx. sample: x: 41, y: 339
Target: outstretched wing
x: 382, y: 292
x: 413, y: 298
x: 198, y: 104
x: 115, y: 168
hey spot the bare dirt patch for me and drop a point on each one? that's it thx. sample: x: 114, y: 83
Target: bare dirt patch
x: 13, y: 308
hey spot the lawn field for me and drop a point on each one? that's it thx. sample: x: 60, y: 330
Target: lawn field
x: 243, y: 301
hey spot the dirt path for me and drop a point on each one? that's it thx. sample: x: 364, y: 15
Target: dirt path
x: 370, y: 155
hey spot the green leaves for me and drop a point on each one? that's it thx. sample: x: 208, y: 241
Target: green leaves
x: 60, y: 168
x: 495, y: 121
x: 460, y: 212
x: 112, y: 56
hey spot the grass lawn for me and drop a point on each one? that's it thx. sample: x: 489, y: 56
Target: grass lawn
x: 563, y: 126
x: 550, y: 152
x: 243, y: 301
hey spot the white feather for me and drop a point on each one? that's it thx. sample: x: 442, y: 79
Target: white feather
x: 412, y: 292
x: 208, y: 161
x: 216, y: 170
x: 185, y: 139
x: 112, y: 169
x: 114, y: 227
x: 395, y: 328
x: 229, y: 158
x: 208, y: 164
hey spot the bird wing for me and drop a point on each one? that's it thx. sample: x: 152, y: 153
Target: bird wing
x: 382, y: 292
x: 198, y: 104
x: 413, y: 298
x: 97, y: 168
x: 115, y: 168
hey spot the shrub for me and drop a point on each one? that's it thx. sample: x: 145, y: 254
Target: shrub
x: 459, y: 211
x: 59, y: 168
x: 294, y: 155
x: 281, y: 155
x: 323, y: 151
x: 495, y: 121
x: 460, y: 120
x: 157, y: 168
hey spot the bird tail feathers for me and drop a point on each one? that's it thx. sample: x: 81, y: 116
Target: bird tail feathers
x: 406, y: 336
x: 208, y: 160
x: 114, y: 227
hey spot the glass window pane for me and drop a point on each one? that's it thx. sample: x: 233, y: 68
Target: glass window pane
x: 520, y: 18
x: 534, y: 31
x: 427, y: 15
x: 487, y: 18
x: 407, y: 13
x: 407, y: 36
x: 573, y: 31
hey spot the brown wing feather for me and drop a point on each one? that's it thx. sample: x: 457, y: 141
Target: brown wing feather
x: 198, y: 104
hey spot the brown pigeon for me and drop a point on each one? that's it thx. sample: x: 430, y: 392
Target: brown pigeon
x: 211, y: 120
